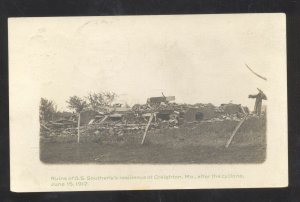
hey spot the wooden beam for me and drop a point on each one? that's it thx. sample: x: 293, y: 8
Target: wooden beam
x: 243, y: 110
x: 234, y: 132
x: 45, y: 127
x: 147, y: 127
x: 105, y: 117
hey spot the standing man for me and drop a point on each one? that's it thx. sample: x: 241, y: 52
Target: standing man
x: 258, y: 102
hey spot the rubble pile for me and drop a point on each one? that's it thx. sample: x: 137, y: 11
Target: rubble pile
x: 158, y: 113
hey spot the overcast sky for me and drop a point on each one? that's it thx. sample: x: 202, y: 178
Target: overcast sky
x: 196, y: 58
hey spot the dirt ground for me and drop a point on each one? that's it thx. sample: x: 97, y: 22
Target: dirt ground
x: 194, y: 143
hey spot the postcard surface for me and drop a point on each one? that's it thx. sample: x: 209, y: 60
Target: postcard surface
x: 148, y: 102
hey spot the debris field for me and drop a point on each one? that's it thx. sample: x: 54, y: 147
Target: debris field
x: 159, y: 113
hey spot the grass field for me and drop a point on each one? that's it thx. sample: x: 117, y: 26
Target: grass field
x: 202, y: 142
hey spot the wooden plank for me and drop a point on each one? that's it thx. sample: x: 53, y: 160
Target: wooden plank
x: 147, y: 127
x: 105, y: 117
x: 243, y: 110
x: 91, y: 121
x: 234, y: 132
x: 45, y: 127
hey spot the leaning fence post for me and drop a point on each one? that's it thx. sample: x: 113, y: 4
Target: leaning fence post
x: 234, y: 132
x: 145, y: 133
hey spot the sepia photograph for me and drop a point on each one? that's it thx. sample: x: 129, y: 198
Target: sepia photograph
x: 148, y: 101
x: 173, y: 94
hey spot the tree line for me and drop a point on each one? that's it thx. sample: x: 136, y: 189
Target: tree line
x: 94, y: 101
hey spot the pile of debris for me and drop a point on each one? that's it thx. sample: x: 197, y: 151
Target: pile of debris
x: 157, y: 113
